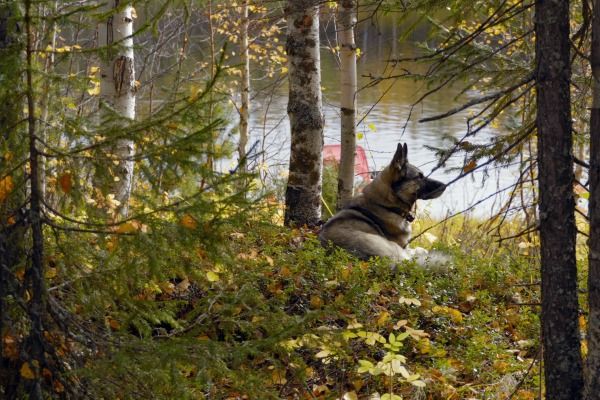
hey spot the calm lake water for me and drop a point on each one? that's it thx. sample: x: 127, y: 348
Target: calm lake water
x: 385, y: 120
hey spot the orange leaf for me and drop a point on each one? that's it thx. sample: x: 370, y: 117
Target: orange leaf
x: 6, y: 186
x: 57, y: 386
x: 113, y: 323
x: 66, y: 182
x: 188, y: 221
x: 469, y: 167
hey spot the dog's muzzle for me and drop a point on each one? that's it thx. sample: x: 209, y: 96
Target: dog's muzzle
x: 431, y: 189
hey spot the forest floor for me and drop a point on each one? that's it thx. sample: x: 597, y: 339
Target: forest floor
x: 301, y: 322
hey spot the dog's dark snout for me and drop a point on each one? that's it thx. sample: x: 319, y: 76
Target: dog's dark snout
x: 431, y: 189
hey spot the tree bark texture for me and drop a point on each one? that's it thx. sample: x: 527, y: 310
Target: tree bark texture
x: 347, y: 21
x: 560, y: 326
x: 245, y: 106
x: 34, y: 274
x: 13, y: 236
x: 303, y: 193
x: 117, y: 92
x: 592, y: 381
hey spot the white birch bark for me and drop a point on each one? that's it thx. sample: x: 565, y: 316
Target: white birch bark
x: 117, y: 93
x: 347, y: 21
x: 303, y: 193
x: 245, y: 106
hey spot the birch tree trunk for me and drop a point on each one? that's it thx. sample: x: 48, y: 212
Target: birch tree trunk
x: 117, y: 94
x: 347, y: 20
x: 560, y: 309
x: 303, y: 193
x: 592, y: 383
x: 245, y: 106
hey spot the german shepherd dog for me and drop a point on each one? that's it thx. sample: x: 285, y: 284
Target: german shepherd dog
x: 377, y: 221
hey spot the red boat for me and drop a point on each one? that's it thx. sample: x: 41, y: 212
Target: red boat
x: 331, y: 154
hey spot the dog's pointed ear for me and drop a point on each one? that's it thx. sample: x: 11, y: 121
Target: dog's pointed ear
x: 401, y: 157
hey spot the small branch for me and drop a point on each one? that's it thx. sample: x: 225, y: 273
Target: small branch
x: 474, y: 102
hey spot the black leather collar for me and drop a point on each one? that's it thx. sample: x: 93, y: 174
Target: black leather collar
x: 396, y: 210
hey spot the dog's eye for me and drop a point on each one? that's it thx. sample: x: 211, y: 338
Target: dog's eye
x: 421, y: 176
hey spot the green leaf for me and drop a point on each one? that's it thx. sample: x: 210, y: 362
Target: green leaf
x: 212, y: 276
x: 365, y: 366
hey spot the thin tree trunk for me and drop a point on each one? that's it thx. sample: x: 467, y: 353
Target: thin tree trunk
x: 48, y: 66
x: 245, y: 106
x: 210, y: 161
x: 117, y: 92
x: 560, y: 311
x: 34, y: 276
x: 347, y: 18
x: 592, y: 384
x: 303, y: 193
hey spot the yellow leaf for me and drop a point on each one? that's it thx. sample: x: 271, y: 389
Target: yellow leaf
x: 372, y: 127
x: 51, y: 273
x: 316, y: 302
x: 93, y: 70
x: 212, y: 276
x: 66, y: 182
x: 350, y: 396
x: 279, y: 377
x: 95, y: 91
x: 188, y: 221
x: 383, y: 317
x: 133, y: 13
x: 126, y: 228
x: 26, y: 372
x: 500, y: 366
x: 455, y: 315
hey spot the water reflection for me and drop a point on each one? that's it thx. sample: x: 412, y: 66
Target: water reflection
x: 386, y: 117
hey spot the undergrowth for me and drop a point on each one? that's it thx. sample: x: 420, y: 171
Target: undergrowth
x: 276, y: 316
x: 287, y: 319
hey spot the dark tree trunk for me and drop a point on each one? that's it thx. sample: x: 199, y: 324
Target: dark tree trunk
x: 34, y: 274
x: 13, y: 229
x: 560, y: 327
x: 592, y: 384
x: 303, y: 193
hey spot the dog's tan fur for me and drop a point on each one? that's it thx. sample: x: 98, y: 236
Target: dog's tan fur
x: 377, y: 221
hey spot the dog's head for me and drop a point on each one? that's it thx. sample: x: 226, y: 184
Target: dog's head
x: 401, y: 184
